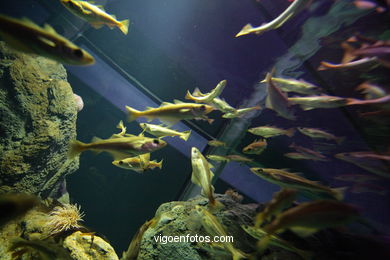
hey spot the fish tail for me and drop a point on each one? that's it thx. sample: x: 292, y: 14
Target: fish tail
x: 263, y: 243
x: 259, y: 219
x: 133, y: 113
x: 210, y: 121
x: 124, y: 26
x: 185, y: 135
x: 159, y: 164
x: 245, y: 30
x: 338, y: 193
x: 75, y: 148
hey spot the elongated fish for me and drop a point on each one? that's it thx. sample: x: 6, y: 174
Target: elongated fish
x: 371, y: 91
x: 309, y: 152
x: 289, y: 180
x: 369, y: 161
x: 277, y: 100
x: 25, y: 36
x: 303, y: 156
x: 276, y: 241
x: 292, y: 10
x: 240, y: 112
x: 161, y: 131
x: 271, y: 131
x: 320, y: 134
x: 218, y: 158
x: 119, y: 148
x: 222, y: 105
x: 257, y: 147
x: 206, y: 98
x: 214, y: 228
x: 310, y: 217
x: 297, y: 86
x: 170, y: 113
x: 323, y: 101
x: 95, y: 15
x: 202, y: 176
x: 140, y: 163
x: 216, y: 143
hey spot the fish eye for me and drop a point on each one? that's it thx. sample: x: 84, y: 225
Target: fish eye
x: 78, y: 53
x: 202, y: 107
x: 120, y: 162
x: 156, y: 141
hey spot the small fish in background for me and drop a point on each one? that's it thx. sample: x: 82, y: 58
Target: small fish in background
x: 369, y: 161
x: 309, y: 217
x: 257, y: 147
x: 25, y: 36
x: 160, y: 131
x: 277, y: 100
x: 119, y: 148
x: 15, y: 205
x: 214, y: 228
x: 323, y: 101
x: 222, y: 105
x: 356, y: 178
x: 301, y: 156
x: 217, y: 143
x: 361, y: 64
x: 271, y: 131
x: 239, y: 158
x: 240, y: 112
x: 170, y: 113
x: 362, y: 4
x: 285, y: 179
x: 308, y: 152
x: 138, y: 164
x: 383, y: 101
x: 259, y: 233
x: 297, y: 86
x: 199, y: 97
x: 361, y: 187
x: 218, y: 158
x: 95, y: 15
x: 280, y: 201
x: 371, y: 91
x: 292, y: 10
x: 202, y: 176
x: 316, y: 133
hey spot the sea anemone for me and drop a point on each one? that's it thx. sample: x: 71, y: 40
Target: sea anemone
x: 63, y: 218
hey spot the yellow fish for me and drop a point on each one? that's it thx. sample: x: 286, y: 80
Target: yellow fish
x: 161, y: 131
x: 120, y: 147
x: 140, y: 163
x: 198, y: 97
x: 95, y: 15
x: 25, y: 36
x: 257, y: 147
x: 170, y: 113
x: 214, y: 228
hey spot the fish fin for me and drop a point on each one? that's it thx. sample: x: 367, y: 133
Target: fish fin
x: 96, y: 139
x: 176, y: 101
x: 47, y: 41
x: 49, y: 28
x: 97, y: 25
x: 124, y: 26
x: 169, y: 122
x: 303, y: 231
x: 263, y: 243
x: 211, y: 166
x: 197, y: 93
x: 102, y: 8
x: 338, y: 193
x: 118, y: 155
x: 133, y: 113
x: 210, y: 120
x: 163, y: 104
x: 290, y: 132
x: 185, y: 135
x: 75, y: 148
x: 247, y: 29
x: 189, y: 96
x: 120, y: 125
x: 238, y: 254
x: 184, y: 110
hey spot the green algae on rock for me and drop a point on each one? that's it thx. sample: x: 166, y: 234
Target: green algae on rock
x: 37, y: 121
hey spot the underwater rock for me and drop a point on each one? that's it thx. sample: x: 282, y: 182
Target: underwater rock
x: 87, y: 246
x: 37, y: 121
x: 175, y: 220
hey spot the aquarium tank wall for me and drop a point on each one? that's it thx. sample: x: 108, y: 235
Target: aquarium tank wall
x: 194, y: 129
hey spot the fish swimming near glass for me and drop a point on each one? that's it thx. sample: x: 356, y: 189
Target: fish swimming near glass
x: 160, y: 131
x: 199, y: 97
x: 95, y: 15
x: 25, y: 36
x: 271, y: 131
